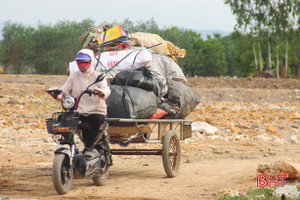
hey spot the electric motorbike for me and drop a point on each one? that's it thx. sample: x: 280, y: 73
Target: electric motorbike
x: 70, y: 163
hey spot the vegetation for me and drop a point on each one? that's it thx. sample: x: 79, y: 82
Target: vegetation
x: 256, y: 194
x: 272, y: 26
x: 266, y: 36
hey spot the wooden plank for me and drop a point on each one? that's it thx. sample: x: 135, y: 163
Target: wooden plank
x: 187, y: 131
x: 128, y: 130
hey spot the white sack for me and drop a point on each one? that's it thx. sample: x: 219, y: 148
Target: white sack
x: 135, y: 60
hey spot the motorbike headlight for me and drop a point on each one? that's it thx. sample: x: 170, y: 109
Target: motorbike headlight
x: 68, y: 102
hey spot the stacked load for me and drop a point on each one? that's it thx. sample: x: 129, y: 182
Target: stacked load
x: 145, y: 80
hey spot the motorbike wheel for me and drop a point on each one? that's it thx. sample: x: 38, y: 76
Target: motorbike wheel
x: 101, y: 180
x: 62, y: 174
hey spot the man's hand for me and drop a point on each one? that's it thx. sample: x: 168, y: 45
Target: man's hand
x: 98, y: 93
x: 54, y: 92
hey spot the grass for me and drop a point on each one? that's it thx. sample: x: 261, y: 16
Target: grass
x: 256, y: 194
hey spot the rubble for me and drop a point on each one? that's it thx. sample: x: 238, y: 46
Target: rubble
x: 289, y: 191
x: 204, y: 127
x: 280, y: 167
x: 21, y: 138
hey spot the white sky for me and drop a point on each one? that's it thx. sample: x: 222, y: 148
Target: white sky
x: 193, y: 14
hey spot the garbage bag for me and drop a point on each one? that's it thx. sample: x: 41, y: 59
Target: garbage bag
x: 166, y: 48
x: 166, y: 68
x: 184, y: 96
x: 131, y: 102
x: 141, y: 78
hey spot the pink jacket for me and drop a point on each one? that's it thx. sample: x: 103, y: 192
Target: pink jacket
x: 78, y: 82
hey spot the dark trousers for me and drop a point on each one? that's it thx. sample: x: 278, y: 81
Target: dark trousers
x: 90, y: 128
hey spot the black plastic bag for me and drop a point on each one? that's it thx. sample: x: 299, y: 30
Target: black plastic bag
x: 141, y: 78
x: 183, y: 95
x: 131, y: 102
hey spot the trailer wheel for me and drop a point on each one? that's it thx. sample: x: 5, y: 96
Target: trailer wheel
x: 171, y: 153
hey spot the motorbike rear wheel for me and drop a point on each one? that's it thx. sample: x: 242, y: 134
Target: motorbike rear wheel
x: 101, y: 179
x: 62, y: 174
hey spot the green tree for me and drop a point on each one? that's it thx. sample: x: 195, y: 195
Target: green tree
x: 15, y: 46
x: 239, y: 54
x: 54, y: 46
x: 214, y: 58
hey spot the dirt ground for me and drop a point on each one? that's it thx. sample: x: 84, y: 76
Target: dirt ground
x: 258, y: 121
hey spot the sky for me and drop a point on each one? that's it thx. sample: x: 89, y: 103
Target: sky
x: 191, y: 14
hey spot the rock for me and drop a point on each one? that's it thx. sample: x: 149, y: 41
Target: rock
x: 274, y: 107
x: 253, y: 126
x: 293, y: 139
x: 209, y: 120
x: 260, y: 196
x: 213, y: 137
x: 263, y: 138
x: 204, y: 127
x: 189, y: 141
x: 197, y: 135
x: 234, y: 129
x: 271, y: 129
x: 288, y: 191
x: 12, y: 101
x: 297, y: 116
x: 229, y: 192
x: 277, y: 140
x: 41, y: 152
x: 280, y: 167
x: 31, y: 115
x: 21, y: 115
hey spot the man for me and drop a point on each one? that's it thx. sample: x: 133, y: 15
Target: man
x: 93, y: 108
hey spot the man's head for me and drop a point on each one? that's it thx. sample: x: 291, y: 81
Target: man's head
x: 83, y: 62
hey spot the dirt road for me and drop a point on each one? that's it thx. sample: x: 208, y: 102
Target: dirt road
x: 259, y: 124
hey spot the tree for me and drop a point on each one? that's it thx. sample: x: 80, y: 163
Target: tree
x: 16, y: 45
x: 54, y: 46
x: 249, y: 17
x: 214, y: 58
x: 238, y: 54
x: 268, y: 19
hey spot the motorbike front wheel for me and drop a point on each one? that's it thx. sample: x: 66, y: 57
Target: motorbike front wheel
x: 62, y: 174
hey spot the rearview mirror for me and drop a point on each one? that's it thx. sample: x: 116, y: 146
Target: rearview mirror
x: 98, y: 79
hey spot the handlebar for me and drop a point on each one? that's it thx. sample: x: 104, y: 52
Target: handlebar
x: 55, y: 91
x: 90, y: 92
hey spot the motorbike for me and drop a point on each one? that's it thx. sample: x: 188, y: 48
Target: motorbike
x: 70, y: 163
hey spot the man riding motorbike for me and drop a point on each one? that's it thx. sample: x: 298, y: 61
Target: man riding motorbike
x: 93, y: 108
